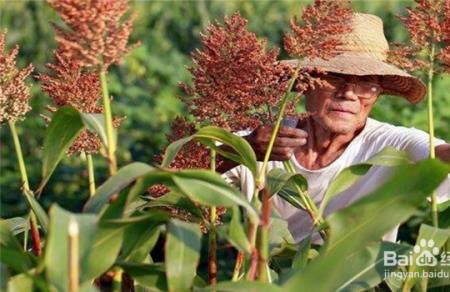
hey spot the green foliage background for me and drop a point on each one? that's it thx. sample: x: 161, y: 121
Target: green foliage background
x: 145, y: 86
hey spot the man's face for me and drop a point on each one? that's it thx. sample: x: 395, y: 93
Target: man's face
x: 344, y: 106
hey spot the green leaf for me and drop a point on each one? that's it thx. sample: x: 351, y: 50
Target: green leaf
x: 65, y: 126
x: 202, y: 186
x: 140, y: 240
x: 115, y: 184
x: 210, y: 189
x: 172, y: 150
x: 279, y: 233
x: 277, y: 179
x: 177, y: 200
x: 40, y: 213
x: 365, y: 268
x: 208, y: 136
x: 96, y: 123
x: 20, y: 283
x: 234, y: 231
x: 245, y: 154
x: 389, y: 156
x: 16, y: 225
x: 182, y: 251
x: 426, y: 233
x: 301, y: 257
x: 353, y: 227
x: 56, y: 251
x: 11, y: 252
x: 244, y: 286
x: 150, y: 276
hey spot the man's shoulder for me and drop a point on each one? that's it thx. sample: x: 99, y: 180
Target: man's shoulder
x: 377, y: 130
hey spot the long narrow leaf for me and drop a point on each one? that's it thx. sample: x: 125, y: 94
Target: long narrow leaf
x: 65, y: 126
x: 182, y: 254
x: 115, y: 184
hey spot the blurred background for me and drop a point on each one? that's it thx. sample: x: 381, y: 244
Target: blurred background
x: 145, y: 86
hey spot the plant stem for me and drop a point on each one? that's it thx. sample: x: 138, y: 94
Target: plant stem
x: 262, y: 172
x: 91, y: 174
x: 212, y: 250
x: 112, y: 163
x: 260, y: 256
x: 263, y: 247
x: 238, y: 266
x: 35, y: 237
x: 74, y: 269
x: 434, y: 211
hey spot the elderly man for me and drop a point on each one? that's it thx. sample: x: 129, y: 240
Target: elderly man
x: 338, y: 132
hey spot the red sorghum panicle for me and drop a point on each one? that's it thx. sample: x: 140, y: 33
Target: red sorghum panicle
x: 14, y: 93
x: 404, y: 57
x: 68, y: 85
x: 318, y: 34
x: 96, y: 34
x: 235, y: 78
x: 427, y: 24
x: 444, y: 55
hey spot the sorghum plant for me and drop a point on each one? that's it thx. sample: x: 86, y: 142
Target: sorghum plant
x: 96, y: 37
x: 14, y: 98
x: 428, y: 27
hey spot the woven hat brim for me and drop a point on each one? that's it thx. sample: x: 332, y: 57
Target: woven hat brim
x: 394, y: 80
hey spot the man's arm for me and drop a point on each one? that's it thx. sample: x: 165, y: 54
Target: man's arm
x: 443, y: 152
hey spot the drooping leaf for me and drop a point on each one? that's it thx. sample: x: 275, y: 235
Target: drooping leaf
x: 40, y: 213
x: 389, y: 156
x: 176, y: 200
x: 115, y: 184
x: 209, y: 136
x: 172, y: 150
x: 368, y: 219
x: 16, y: 225
x: 65, y: 126
x: 182, y: 252
x: 202, y: 186
x: 211, y: 189
x: 96, y: 124
x: 244, y: 152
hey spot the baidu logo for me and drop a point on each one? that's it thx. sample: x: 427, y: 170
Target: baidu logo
x: 423, y: 255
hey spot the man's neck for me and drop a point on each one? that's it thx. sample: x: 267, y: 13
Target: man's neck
x: 323, y: 146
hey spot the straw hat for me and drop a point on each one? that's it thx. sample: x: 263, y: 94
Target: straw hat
x: 364, y: 52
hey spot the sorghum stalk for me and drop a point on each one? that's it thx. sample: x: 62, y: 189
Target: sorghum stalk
x: 91, y: 173
x: 212, y: 249
x: 434, y: 211
x: 112, y: 163
x: 74, y: 269
x: 263, y: 248
x: 35, y: 237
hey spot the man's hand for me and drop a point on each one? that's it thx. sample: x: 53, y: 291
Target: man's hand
x: 443, y: 152
x: 287, y: 141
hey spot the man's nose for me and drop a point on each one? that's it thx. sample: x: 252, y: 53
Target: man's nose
x: 347, y: 91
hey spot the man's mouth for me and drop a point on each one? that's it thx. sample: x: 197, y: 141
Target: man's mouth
x: 341, y: 110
